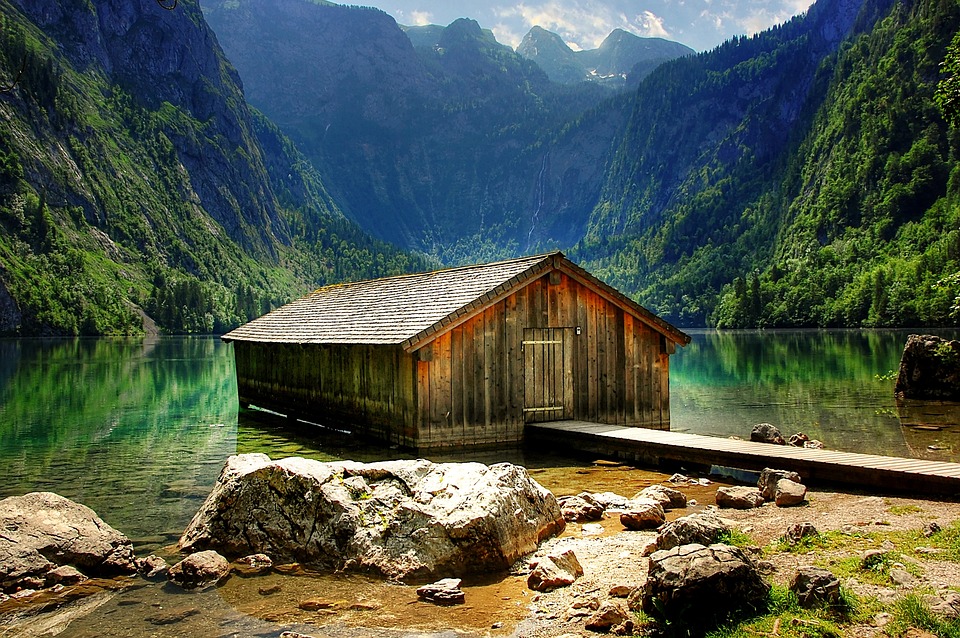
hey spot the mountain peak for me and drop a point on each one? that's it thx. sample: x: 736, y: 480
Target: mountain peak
x: 617, y: 56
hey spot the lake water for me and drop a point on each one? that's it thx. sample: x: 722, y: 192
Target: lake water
x: 120, y: 424
x: 139, y: 429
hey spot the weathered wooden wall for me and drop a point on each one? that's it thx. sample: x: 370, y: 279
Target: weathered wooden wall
x: 370, y: 388
x: 471, y: 381
x: 470, y: 386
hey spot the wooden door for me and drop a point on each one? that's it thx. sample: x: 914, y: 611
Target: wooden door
x: 548, y: 374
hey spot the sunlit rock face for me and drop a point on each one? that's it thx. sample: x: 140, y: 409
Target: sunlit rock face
x: 413, y: 520
x: 44, y: 532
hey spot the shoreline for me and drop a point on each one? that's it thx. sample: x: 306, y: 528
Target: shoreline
x: 350, y: 605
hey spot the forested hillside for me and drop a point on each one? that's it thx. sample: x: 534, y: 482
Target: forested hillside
x: 136, y: 186
x: 810, y: 179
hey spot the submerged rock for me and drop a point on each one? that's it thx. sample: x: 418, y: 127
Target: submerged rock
x: 43, y: 531
x: 403, y: 519
x: 199, y: 570
x: 445, y: 591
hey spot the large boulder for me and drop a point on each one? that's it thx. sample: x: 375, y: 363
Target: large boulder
x: 404, y: 519
x: 703, y: 528
x: 41, y: 531
x: 929, y: 369
x: 697, y: 586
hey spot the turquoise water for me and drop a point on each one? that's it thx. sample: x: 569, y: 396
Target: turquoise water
x: 138, y: 430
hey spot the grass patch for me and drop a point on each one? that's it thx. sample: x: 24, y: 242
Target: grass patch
x: 786, y: 618
x: 901, y: 510
x: 736, y: 538
x: 912, y: 611
x: 829, y: 540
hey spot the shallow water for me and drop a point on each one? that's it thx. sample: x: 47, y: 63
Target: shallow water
x: 138, y: 430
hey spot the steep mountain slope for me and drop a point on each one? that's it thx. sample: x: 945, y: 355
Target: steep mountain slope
x: 135, y: 181
x: 730, y: 186
x: 622, y: 59
x: 436, y: 146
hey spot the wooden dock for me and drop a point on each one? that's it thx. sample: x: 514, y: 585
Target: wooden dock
x: 652, y: 447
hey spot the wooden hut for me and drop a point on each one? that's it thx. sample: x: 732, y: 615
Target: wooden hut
x: 463, y: 356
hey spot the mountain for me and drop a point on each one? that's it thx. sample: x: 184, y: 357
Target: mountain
x: 138, y: 189
x: 438, y: 146
x: 622, y: 59
x: 802, y: 177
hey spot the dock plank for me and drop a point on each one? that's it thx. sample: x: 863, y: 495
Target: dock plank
x: 884, y: 473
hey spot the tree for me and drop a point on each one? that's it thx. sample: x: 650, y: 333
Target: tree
x: 948, y: 90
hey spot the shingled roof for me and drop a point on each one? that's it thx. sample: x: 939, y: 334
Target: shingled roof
x: 408, y: 309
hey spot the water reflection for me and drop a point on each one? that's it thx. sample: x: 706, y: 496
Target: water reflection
x: 136, y: 430
x: 834, y: 386
x: 139, y: 429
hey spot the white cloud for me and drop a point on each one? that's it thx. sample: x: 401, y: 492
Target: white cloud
x: 652, y: 25
x: 421, y: 18
x: 582, y: 23
x: 505, y: 34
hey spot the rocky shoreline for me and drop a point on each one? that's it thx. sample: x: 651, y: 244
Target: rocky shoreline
x: 872, y: 545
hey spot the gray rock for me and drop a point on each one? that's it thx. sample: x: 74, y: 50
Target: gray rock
x: 798, y: 531
x: 641, y: 516
x: 815, y: 586
x: 580, y: 508
x: 64, y: 575
x: 767, y: 433
x: 929, y: 369
x: 404, y: 519
x: 43, y: 531
x: 947, y: 604
x: 740, y: 498
x: 199, y: 570
x: 445, y: 591
x: 555, y: 570
x: 697, y: 586
x: 902, y: 578
x: 702, y: 528
x: 668, y: 497
x: 254, y: 564
x: 769, y: 478
x: 609, y: 500
x: 789, y: 493
x: 798, y: 440
x: 610, y: 614
x: 152, y: 566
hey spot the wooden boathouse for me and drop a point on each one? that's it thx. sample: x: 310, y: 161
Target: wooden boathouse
x: 462, y: 356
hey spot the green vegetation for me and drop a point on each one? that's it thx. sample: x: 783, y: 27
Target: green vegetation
x: 848, y: 218
x: 107, y: 214
x: 911, y: 611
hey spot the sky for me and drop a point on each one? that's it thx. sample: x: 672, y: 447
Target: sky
x: 583, y: 24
